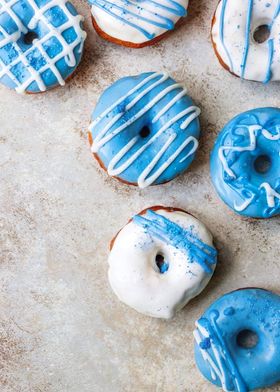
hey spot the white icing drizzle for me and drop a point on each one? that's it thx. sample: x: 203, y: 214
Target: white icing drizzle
x: 106, y: 135
x: 67, y: 52
x: 271, y: 193
x: 216, y: 368
x: 137, y: 21
x: 217, y: 355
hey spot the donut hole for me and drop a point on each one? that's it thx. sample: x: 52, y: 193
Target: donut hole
x: 161, y: 263
x: 247, y: 339
x: 145, y: 132
x: 29, y: 37
x: 262, y: 33
x: 262, y: 164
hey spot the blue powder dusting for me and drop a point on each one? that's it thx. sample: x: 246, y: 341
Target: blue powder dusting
x: 182, y: 239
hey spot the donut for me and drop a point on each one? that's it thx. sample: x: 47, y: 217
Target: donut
x: 41, y: 44
x: 136, y: 23
x: 160, y: 260
x: 245, y: 36
x: 245, y: 163
x: 145, y: 129
x: 237, y: 340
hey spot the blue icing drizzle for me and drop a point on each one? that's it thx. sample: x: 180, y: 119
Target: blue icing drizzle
x: 55, y: 48
x: 134, y: 18
x: 248, y: 38
x: 249, y: 137
x: 164, y: 268
x: 270, y: 60
x: 155, y: 103
x: 175, y: 235
x: 222, y: 361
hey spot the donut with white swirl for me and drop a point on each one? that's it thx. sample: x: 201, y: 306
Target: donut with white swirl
x: 145, y: 129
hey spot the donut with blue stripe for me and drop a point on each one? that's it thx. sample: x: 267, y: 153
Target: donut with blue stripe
x: 245, y: 163
x: 161, y: 259
x: 136, y: 23
x: 145, y: 129
x: 237, y: 341
x: 246, y: 38
x: 41, y: 43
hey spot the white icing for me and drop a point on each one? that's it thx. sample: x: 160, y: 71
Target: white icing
x: 106, y: 135
x: 134, y: 276
x: 67, y: 52
x: 233, y: 35
x: 141, y: 13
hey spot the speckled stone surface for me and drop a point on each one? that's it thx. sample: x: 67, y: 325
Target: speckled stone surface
x: 61, y: 328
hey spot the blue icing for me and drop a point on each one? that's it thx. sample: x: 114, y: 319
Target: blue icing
x: 54, y: 51
x: 182, y: 239
x: 249, y: 138
x: 155, y: 102
x: 224, y: 362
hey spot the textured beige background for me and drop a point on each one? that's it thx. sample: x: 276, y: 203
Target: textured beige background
x: 61, y: 328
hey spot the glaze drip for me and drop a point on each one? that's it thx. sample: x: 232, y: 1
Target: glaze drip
x: 233, y: 36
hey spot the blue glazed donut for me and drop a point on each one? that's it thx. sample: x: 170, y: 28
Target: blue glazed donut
x: 41, y: 43
x: 245, y: 163
x: 222, y: 354
x: 145, y: 129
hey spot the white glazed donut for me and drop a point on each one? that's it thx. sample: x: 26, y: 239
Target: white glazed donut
x: 136, y: 22
x: 234, y: 37
x: 160, y: 260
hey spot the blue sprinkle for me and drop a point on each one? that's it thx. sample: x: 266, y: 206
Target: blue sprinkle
x: 205, y: 344
x: 229, y: 311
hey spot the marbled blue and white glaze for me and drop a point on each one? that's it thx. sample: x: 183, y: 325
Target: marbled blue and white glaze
x: 137, y: 21
x: 188, y: 260
x: 52, y: 56
x: 150, y: 101
x: 247, y: 138
x: 228, y: 364
x: 233, y: 31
